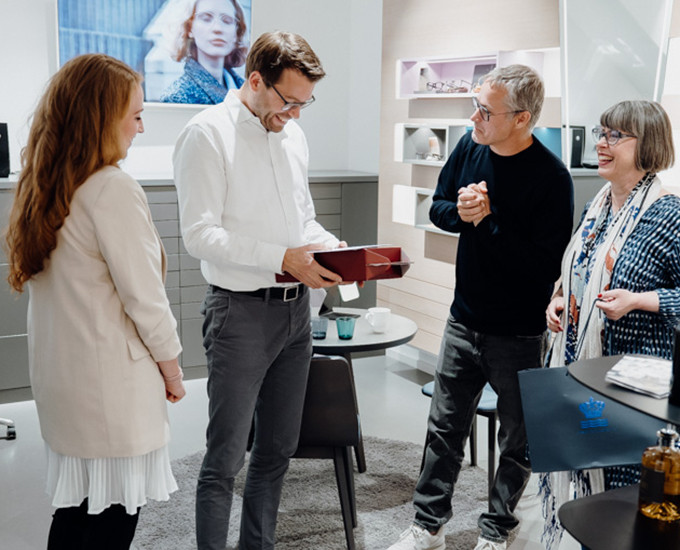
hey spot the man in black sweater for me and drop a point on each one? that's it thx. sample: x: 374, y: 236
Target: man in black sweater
x: 511, y: 201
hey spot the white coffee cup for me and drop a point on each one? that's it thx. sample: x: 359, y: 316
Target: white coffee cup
x: 378, y: 318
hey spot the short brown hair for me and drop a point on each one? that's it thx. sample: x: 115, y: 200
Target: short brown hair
x: 649, y: 122
x: 524, y: 88
x: 275, y: 51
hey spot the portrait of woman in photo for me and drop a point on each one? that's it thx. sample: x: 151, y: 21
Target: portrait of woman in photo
x: 211, y: 44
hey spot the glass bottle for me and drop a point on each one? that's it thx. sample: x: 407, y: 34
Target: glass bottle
x: 660, y: 481
x: 423, y: 79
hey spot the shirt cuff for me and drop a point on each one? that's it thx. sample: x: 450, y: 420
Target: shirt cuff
x: 271, y: 257
x: 668, y: 305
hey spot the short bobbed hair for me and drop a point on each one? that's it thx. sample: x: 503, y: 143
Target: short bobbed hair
x: 273, y: 52
x: 524, y: 88
x: 649, y: 122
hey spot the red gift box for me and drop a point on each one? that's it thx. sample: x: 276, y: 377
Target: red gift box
x: 360, y: 263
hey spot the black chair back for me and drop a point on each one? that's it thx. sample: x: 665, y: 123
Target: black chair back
x: 331, y: 414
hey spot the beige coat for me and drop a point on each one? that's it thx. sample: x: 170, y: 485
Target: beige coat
x: 98, y: 320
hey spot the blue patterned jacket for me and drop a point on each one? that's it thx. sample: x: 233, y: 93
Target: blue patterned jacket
x: 649, y: 260
x: 197, y: 86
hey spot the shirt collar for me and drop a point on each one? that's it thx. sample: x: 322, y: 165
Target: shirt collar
x: 239, y: 112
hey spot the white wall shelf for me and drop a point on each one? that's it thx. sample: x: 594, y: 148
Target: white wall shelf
x: 411, y: 206
x: 458, y: 77
x: 447, y: 73
x: 427, y: 143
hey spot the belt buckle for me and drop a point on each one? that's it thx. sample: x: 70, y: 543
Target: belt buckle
x: 289, y: 297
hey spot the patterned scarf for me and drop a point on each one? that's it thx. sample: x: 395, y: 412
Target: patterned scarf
x: 588, y: 263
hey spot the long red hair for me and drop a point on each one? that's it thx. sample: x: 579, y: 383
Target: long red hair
x: 75, y: 132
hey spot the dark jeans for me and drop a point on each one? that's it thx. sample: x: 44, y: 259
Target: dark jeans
x: 467, y: 360
x: 74, y: 529
x: 258, y: 354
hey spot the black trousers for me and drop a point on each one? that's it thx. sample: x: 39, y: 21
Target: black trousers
x: 74, y: 529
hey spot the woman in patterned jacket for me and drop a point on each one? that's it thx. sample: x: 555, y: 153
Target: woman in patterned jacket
x: 620, y: 289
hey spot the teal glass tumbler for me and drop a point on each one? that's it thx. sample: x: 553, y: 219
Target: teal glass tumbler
x: 345, y: 327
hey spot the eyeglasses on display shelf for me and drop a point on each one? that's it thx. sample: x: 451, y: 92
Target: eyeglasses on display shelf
x: 459, y: 86
x: 429, y: 156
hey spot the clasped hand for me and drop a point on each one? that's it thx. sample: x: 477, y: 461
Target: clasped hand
x: 618, y: 302
x: 473, y: 203
x: 300, y: 263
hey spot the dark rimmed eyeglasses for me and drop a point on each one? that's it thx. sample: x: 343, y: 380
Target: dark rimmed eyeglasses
x: 611, y: 136
x: 288, y: 105
x: 486, y: 114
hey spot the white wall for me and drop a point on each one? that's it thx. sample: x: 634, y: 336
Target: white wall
x: 342, y: 127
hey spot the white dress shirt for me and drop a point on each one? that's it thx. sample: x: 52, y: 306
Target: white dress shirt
x: 243, y: 195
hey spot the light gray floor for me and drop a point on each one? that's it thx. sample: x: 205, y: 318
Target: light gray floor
x: 390, y: 403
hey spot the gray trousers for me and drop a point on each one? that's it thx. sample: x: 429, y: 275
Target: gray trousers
x: 258, y: 353
x: 467, y: 360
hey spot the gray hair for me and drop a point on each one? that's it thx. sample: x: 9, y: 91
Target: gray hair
x: 524, y: 87
x: 649, y: 123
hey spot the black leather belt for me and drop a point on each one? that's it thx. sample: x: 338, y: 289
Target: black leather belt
x: 284, y: 293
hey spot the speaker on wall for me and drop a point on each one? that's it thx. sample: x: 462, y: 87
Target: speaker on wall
x: 4, y: 151
x: 578, y: 137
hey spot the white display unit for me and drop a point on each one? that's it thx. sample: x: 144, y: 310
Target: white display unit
x: 452, y: 73
x: 411, y: 206
x: 427, y: 143
x: 414, y: 74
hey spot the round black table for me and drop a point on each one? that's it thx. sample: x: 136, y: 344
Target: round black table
x: 400, y: 330
x: 591, y: 373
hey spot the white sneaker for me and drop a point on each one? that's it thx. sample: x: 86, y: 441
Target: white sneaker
x: 486, y: 544
x: 417, y: 538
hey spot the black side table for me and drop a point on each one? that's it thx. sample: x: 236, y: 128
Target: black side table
x: 610, y: 521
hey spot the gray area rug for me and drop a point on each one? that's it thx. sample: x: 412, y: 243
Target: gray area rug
x: 309, y: 515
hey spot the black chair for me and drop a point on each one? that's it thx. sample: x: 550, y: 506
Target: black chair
x: 487, y: 408
x: 330, y: 428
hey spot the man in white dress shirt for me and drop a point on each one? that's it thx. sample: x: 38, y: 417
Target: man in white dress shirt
x: 246, y: 212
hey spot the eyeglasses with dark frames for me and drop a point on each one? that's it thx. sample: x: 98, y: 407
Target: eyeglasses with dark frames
x: 611, y: 136
x: 486, y: 114
x: 288, y: 105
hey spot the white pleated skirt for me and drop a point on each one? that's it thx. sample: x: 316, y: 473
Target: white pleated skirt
x: 129, y: 481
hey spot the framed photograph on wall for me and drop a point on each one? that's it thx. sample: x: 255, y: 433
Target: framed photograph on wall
x: 189, y: 51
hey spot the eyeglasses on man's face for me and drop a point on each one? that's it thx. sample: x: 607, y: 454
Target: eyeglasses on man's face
x: 288, y: 105
x: 611, y: 136
x: 486, y: 114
